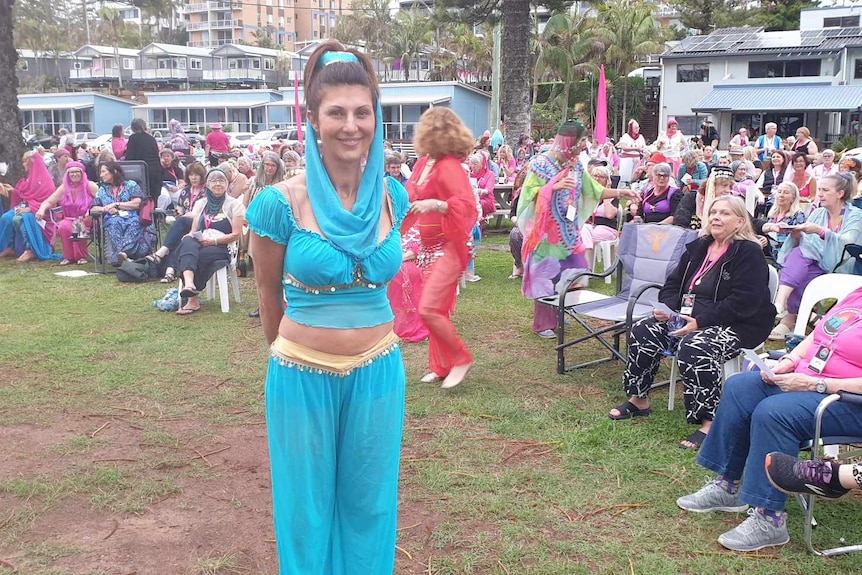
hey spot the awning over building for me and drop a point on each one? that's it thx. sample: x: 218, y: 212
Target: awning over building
x: 805, y: 97
x: 181, y: 103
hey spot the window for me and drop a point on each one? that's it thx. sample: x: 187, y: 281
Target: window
x: 128, y: 63
x: 255, y: 63
x: 692, y: 72
x: 783, y: 68
x: 76, y: 65
x: 841, y: 22
x: 857, y: 69
x: 269, y: 64
x: 195, y: 63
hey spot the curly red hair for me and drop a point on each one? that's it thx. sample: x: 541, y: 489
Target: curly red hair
x: 441, y: 132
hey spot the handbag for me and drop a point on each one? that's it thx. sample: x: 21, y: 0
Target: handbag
x: 145, y: 213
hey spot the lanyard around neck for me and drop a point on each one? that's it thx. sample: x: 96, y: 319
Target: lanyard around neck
x: 705, y: 267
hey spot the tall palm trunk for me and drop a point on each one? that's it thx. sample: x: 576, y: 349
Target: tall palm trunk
x: 515, y: 64
x: 11, y: 143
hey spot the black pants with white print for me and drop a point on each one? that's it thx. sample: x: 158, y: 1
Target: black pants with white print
x: 701, y: 356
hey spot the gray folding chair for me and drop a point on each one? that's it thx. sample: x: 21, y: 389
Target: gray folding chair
x: 814, y: 446
x: 647, y: 254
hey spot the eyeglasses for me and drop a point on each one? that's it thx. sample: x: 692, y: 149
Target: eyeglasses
x: 662, y: 175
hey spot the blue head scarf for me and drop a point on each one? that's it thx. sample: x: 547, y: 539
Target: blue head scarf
x: 356, y: 231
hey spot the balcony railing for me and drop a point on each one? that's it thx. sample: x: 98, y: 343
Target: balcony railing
x: 238, y: 75
x: 213, y: 25
x: 207, y: 6
x: 160, y: 74
x: 94, y: 74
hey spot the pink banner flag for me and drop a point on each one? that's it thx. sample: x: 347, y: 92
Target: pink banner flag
x: 297, y: 111
x: 600, y: 130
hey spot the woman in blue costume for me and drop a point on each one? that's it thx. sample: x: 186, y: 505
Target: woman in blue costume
x: 327, y: 242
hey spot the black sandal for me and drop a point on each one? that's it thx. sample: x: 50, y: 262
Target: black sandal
x: 188, y: 292
x: 169, y: 278
x: 696, y: 439
x: 628, y: 410
x: 153, y: 258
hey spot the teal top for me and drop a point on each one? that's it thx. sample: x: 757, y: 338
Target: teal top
x: 325, y: 286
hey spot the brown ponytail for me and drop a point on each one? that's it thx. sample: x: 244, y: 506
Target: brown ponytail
x: 318, y: 77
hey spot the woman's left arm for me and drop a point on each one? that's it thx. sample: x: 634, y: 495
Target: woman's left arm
x: 700, y: 173
x: 803, y: 382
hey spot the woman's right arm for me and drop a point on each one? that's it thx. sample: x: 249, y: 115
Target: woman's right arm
x: 49, y: 203
x: 269, y: 257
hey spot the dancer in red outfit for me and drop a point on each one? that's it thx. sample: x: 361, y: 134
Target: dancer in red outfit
x: 443, y: 201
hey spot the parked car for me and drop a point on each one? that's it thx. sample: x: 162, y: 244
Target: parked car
x: 275, y: 139
x: 240, y: 139
x: 85, y: 138
x: 103, y: 142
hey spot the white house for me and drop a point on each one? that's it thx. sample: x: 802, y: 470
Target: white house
x: 747, y: 77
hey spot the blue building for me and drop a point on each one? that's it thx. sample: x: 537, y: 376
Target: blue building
x: 77, y: 112
x: 238, y: 110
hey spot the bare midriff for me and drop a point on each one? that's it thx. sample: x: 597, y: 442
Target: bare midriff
x: 336, y: 341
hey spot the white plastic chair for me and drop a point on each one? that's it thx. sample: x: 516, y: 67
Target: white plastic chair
x: 604, y: 251
x: 731, y: 366
x: 221, y: 278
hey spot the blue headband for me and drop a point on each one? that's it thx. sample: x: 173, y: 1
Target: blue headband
x: 330, y: 57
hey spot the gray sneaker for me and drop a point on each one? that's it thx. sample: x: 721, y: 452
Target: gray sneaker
x: 711, y: 497
x: 755, y: 533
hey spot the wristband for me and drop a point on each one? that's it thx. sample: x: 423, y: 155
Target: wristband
x: 822, y: 233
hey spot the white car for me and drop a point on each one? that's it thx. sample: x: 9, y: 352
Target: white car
x: 103, y: 142
x: 275, y: 139
x: 240, y: 139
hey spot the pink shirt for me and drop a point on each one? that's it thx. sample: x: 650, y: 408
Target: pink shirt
x: 218, y: 141
x: 844, y: 322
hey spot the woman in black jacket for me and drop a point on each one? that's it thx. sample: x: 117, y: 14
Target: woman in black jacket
x: 721, y: 293
x: 142, y: 146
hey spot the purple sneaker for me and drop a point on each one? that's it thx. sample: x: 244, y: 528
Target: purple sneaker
x: 792, y: 475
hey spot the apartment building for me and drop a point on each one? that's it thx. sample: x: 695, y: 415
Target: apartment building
x: 212, y: 23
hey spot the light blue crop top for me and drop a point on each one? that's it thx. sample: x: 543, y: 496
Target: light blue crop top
x: 323, y: 285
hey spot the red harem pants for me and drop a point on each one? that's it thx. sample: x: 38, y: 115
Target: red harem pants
x: 445, y: 349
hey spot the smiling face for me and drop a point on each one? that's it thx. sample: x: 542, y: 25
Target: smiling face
x: 740, y: 172
x: 345, y: 123
x: 217, y: 183
x: 475, y: 164
x: 777, y: 161
x: 75, y: 175
x: 394, y: 169
x: 799, y: 164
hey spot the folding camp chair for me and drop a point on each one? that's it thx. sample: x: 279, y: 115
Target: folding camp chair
x: 647, y: 254
x: 814, y: 446
x: 854, y: 252
x: 137, y: 170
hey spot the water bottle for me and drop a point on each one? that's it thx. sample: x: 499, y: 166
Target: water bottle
x: 638, y: 220
x: 674, y: 323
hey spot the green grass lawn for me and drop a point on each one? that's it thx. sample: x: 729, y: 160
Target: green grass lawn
x: 112, y: 413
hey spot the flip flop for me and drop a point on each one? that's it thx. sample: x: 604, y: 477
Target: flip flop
x: 82, y: 262
x: 188, y: 292
x: 629, y: 410
x: 187, y: 310
x: 696, y: 439
x: 65, y: 262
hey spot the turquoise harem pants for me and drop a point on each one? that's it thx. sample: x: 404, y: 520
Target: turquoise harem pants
x: 334, y: 446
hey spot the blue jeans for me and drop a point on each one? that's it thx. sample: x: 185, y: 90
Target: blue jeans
x: 754, y: 419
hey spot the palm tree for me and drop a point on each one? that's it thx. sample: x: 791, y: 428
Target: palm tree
x: 410, y: 35
x: 515, y: 68
x: 570, y: 44
x: 11, y: 143
x: 629, y: 31
x: 112, y: 24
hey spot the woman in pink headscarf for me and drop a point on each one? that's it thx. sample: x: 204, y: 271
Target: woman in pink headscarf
x: 20, y: 233
x: 75, y: 195
x: 485, y: 181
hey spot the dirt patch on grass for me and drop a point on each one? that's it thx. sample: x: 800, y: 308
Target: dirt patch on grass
x: 202, y: 493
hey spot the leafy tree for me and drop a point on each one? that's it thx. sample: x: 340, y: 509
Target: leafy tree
x: 781, y: 14
x: 410, y: 35
x: 11, y: 143
x: 629, y: 33
x: 707, y: 15
x: 570, y: 43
